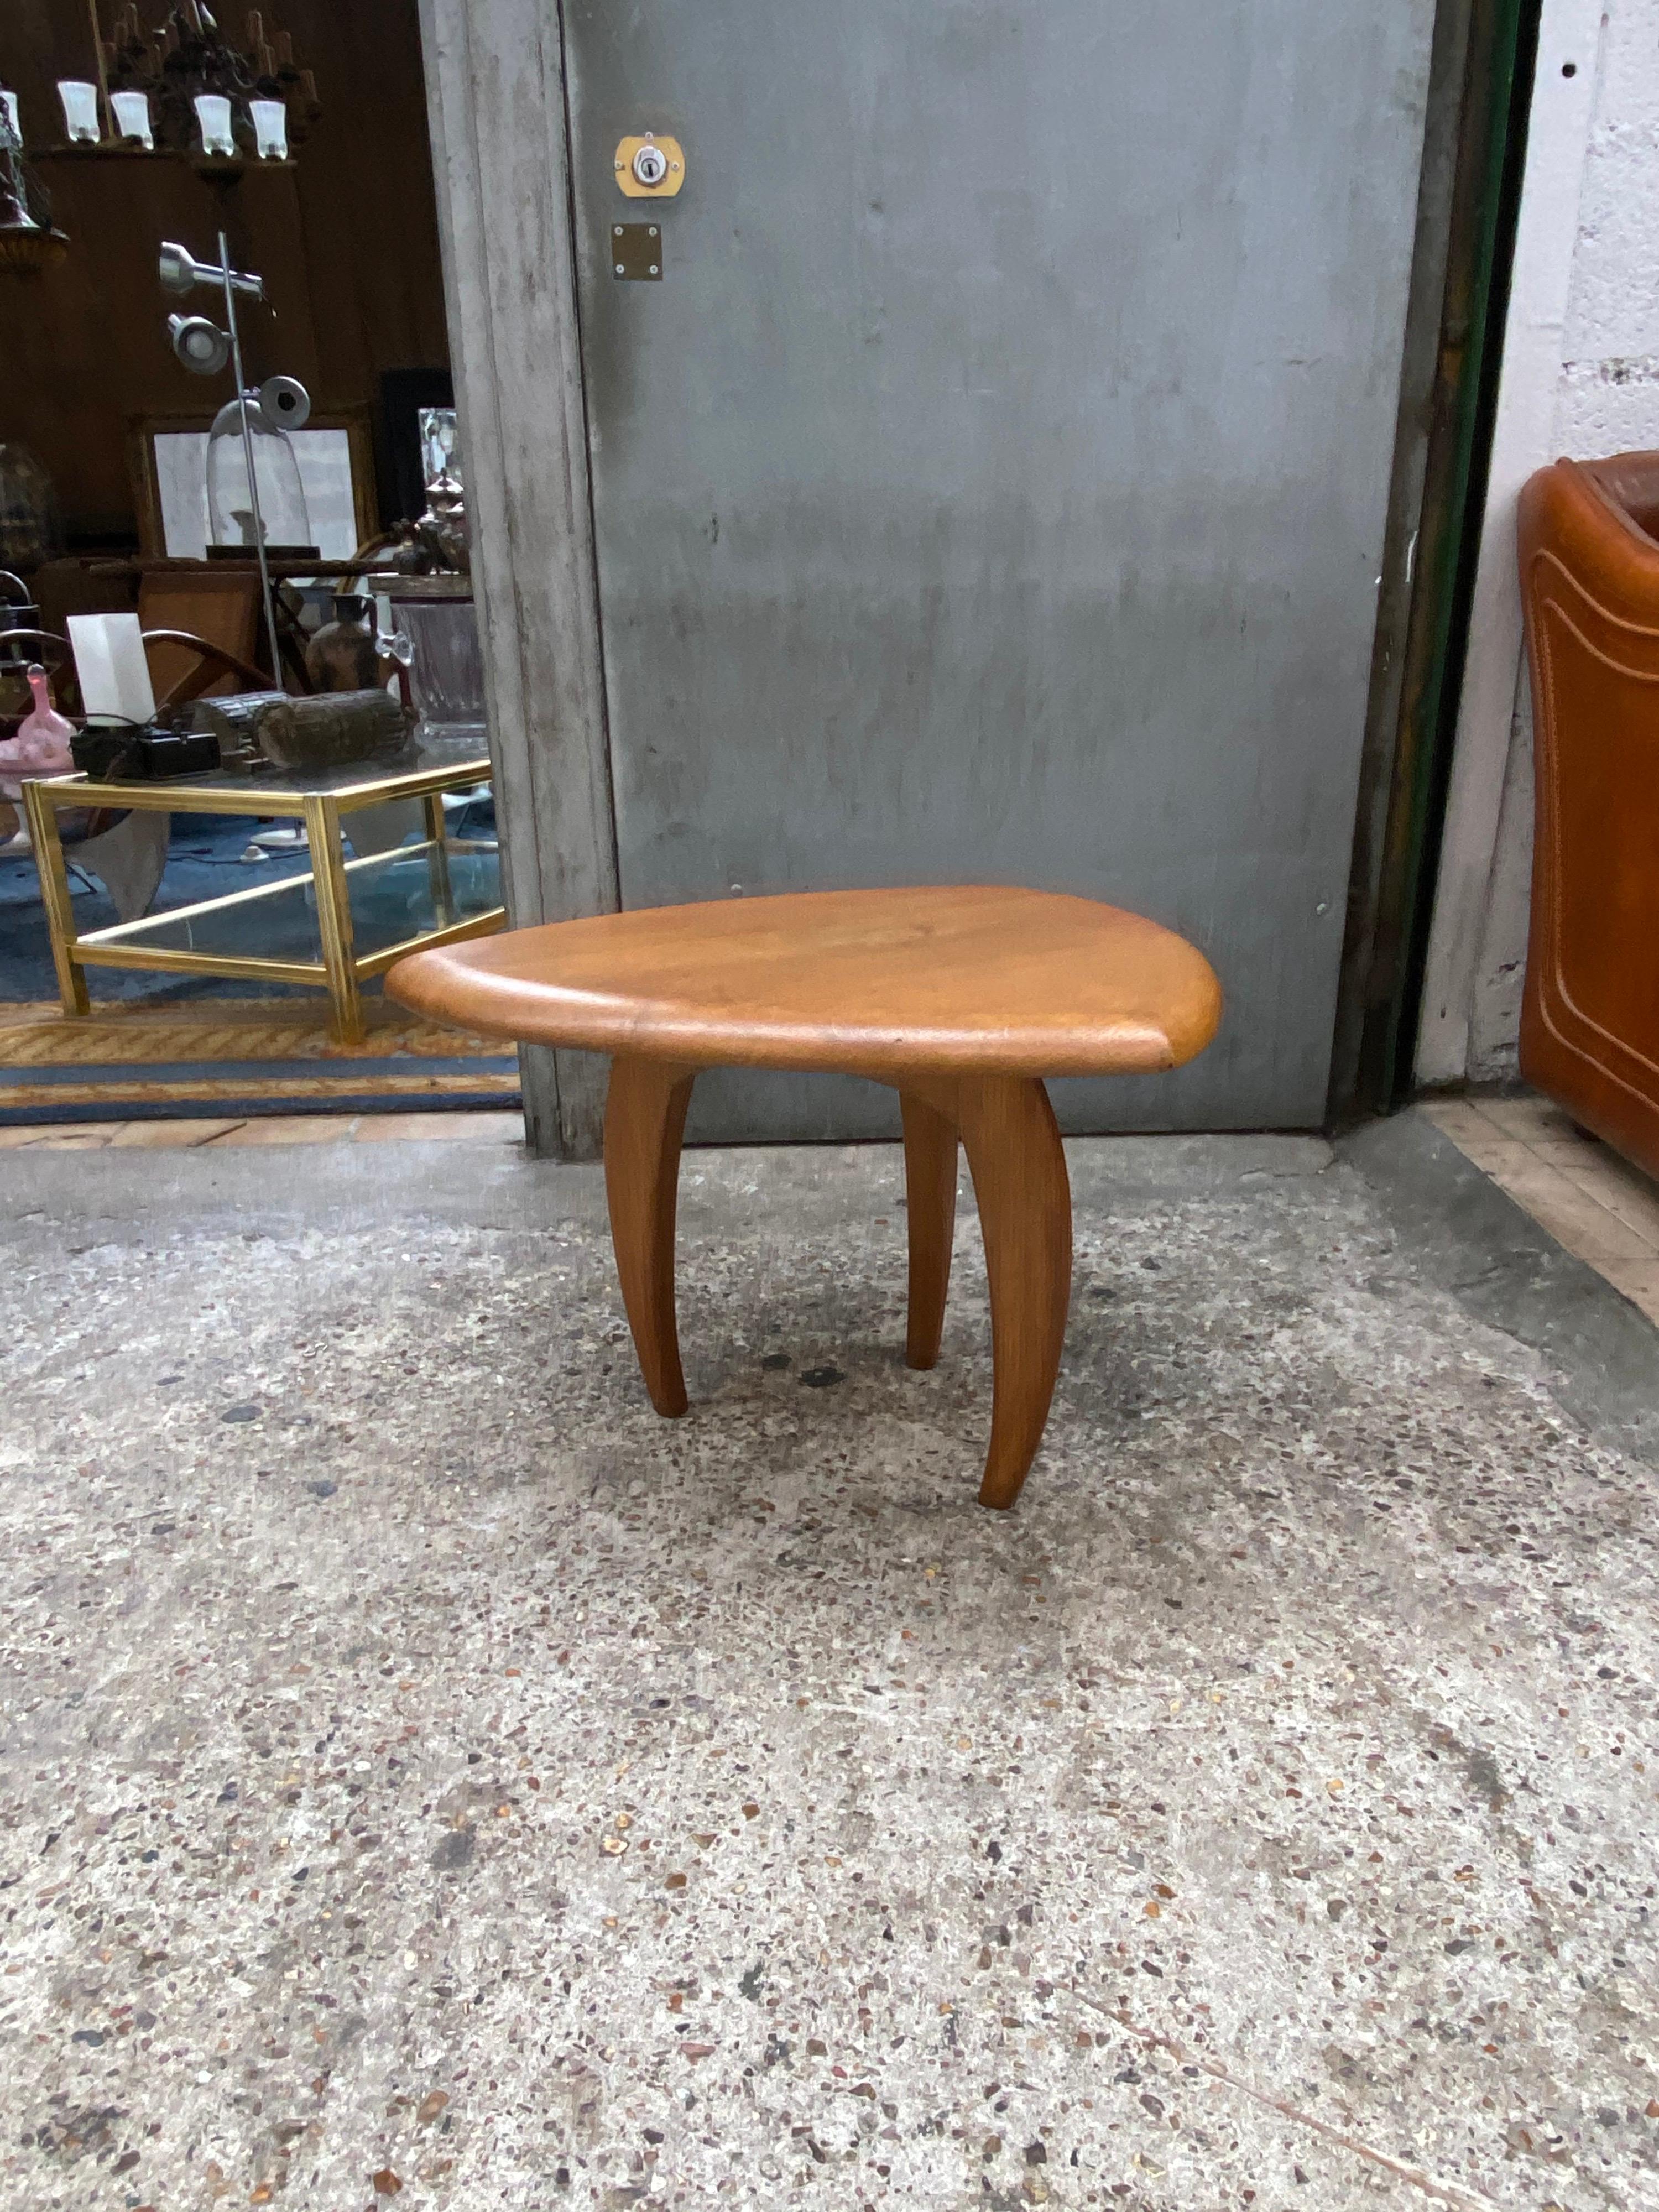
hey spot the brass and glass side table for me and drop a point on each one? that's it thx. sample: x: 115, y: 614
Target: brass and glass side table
x: 333, y: 926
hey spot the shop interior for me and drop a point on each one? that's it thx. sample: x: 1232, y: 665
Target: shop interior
x: 239, y: 671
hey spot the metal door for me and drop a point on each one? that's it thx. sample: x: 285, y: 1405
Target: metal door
x: 990, y: 484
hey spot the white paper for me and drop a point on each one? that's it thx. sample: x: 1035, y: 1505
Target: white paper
x: 110, y: 661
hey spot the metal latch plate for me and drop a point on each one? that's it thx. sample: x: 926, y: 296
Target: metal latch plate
x: 636, y: 252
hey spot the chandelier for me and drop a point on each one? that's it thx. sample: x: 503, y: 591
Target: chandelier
x: 182, y: 87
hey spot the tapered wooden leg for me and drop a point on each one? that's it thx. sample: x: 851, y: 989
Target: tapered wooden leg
x: 1012, y: 1142
x: 930, y: 1193
x: 644, y: 1121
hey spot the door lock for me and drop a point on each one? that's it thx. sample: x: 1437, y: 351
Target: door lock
x: 649, y: 168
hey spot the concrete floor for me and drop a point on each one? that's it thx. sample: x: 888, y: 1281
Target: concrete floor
x: 426, y: 1773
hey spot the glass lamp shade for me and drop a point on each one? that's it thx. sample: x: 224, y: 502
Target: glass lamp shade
x: 270, y: 129
x: 282, y: 510
x: 213, y: 116
x: 131, y: 113
x: 79, y: 111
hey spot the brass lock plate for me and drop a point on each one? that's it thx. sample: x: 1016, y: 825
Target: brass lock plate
x: 636, y: 253
x: 635, y: 185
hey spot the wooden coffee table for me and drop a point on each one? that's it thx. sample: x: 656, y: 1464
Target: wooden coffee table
x: 961, y: 999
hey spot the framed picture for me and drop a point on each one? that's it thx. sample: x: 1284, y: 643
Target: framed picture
x: 167, y: 462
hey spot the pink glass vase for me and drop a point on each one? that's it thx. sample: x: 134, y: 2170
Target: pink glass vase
x: 41, y: 746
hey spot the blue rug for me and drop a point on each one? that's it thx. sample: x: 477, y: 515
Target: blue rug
x: 204, y: 861
x: 172, y: 1045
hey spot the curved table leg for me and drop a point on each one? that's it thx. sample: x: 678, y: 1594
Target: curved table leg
x: 644, y: 1120
x: 930, y: 1192
x: 1012, y: 1142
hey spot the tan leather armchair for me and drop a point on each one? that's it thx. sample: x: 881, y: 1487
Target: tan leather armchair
x: 1589, y: 587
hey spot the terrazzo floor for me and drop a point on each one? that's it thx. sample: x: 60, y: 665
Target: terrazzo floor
x: 428, y: 1774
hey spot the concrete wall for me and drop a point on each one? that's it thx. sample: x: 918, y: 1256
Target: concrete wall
x: 1581, y: 376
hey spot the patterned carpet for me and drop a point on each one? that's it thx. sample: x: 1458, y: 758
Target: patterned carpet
x: 129, y: 1060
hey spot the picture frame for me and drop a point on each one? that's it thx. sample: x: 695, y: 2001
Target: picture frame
x: 166, y: 458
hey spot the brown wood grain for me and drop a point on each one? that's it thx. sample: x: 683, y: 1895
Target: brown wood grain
x: 985, y: 978
x: 1590, y: 1016
x: 963, y: 998
x: 930, y: 1197
x: 1012, y: 1142
x: 644, y: 1121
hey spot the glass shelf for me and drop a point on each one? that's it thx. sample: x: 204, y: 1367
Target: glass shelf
x: 395, y: 896
x: 371, y: 911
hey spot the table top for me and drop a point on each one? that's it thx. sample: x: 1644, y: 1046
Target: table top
x: 425, y: 765
x: 986, y: 979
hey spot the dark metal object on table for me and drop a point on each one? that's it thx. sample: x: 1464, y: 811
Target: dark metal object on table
x: 148, y: 753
